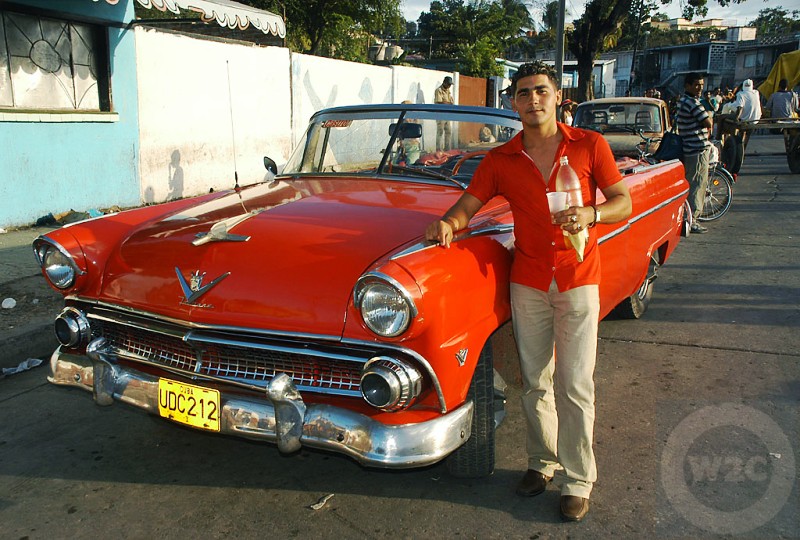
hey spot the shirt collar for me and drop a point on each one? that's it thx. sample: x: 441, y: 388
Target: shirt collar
x: 515, y: 146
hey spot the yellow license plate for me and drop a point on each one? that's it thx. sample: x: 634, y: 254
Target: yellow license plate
x: 188, y: 404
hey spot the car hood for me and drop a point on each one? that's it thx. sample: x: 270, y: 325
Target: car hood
x: 282, y: 256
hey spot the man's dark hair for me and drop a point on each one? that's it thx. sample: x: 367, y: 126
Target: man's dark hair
x: 783, y: 84
x: 692, y: 78
x: 536, y: 67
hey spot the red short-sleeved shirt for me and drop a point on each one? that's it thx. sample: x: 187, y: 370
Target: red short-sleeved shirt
x: 542, y: 250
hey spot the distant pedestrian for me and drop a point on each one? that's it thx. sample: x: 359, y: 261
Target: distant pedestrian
x: 443, y: 129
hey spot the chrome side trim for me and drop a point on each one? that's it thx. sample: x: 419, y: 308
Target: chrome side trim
x: 467, y: 233
x: 323, y: 426
x: 650, y: 166
x: 613, y: 234
x: 627, y: 226
x: 659, y: 206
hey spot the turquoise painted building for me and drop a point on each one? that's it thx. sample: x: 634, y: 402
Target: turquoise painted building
x: 69, y: 131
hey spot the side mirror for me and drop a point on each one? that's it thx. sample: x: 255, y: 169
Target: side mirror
x: 270, y: 165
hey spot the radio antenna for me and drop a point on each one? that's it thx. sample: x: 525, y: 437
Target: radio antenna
x: 233, y: 132
x: 236, y: 187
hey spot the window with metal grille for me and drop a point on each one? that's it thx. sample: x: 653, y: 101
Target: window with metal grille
x: 52, y: 64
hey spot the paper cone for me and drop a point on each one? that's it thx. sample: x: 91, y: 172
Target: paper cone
x: 579, y: 241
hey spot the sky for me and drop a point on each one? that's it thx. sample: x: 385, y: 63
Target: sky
x: 741, y: 13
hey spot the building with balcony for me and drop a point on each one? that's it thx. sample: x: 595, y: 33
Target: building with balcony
x: 755, y: 57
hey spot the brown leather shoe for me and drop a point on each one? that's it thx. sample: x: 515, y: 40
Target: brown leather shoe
x: 573, y: 508
x: 532, y: 484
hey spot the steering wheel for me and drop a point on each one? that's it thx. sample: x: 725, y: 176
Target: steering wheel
x: 465, y: 157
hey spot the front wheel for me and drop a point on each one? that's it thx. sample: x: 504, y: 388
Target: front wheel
x: 475, y: 458
x: 719, y: 195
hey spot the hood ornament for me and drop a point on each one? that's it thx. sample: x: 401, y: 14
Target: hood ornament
x: 194, y: 288
x: 220, y: 231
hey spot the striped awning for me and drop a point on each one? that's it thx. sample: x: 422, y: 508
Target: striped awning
x: 225, y: 12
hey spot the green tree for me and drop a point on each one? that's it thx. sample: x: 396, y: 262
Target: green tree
x: 600, y: 27
x: 478, y: 59
x: 596, y: 31
x: 546, y: 39
x: 442, y: 28
x: 333, y: 26
x: 772, y: 21
x: 474, y: 30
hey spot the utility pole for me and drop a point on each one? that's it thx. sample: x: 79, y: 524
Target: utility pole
x: 560, y: 41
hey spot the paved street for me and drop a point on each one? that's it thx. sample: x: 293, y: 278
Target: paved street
x: 698, y: 423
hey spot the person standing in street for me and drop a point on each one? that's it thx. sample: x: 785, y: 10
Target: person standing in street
x: 554, y: 297
x: 443, y: 132
x: 694, y: 126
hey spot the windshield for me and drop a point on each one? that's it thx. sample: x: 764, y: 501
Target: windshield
x: 623, y: 118
x: 422, y: 144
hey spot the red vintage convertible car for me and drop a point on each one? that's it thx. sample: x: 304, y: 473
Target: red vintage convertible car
x: 309, y: 309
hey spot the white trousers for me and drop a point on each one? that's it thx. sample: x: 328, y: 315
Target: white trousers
x: 558, y: 396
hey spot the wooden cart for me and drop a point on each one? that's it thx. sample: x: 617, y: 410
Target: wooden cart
x: 731, y: 131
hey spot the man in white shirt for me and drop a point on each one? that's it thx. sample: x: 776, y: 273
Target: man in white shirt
x: 748, y: 106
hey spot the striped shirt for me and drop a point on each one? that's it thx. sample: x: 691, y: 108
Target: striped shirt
x: 690, y: 118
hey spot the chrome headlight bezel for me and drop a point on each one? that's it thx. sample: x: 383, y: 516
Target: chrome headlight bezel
x: 58, y: 266
x: 72, y: 328
x: 389, y: 384
x: 386, y: 307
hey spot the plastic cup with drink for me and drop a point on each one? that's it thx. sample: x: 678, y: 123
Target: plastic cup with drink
x: 557, y: 201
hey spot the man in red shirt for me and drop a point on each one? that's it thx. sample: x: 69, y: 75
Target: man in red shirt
x: 554, y: 297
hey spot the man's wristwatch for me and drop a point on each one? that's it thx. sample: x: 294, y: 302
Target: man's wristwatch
x: 596, y: 217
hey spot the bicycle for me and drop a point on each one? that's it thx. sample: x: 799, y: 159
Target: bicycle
x: 719, y: 191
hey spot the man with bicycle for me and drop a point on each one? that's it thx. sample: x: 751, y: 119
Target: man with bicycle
x: 694, y: 126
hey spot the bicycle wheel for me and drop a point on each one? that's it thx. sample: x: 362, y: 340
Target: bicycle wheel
x: 719, y: 194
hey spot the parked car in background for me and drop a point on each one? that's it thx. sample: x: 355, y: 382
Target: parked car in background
x: 310, y: 310
x: 621, y: 119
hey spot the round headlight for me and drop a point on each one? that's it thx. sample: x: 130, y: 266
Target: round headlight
x: 384, y: 309
x: 58, y: 268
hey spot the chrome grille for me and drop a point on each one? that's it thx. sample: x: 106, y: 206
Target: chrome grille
x: 252, y: 365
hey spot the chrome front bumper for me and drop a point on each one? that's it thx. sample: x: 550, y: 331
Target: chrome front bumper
x: 281, y: 417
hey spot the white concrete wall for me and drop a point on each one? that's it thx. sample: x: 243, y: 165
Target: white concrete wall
x: 189, y: 120
x: 186, y: 134
x: 418, y: 85
x: 318, y: 83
